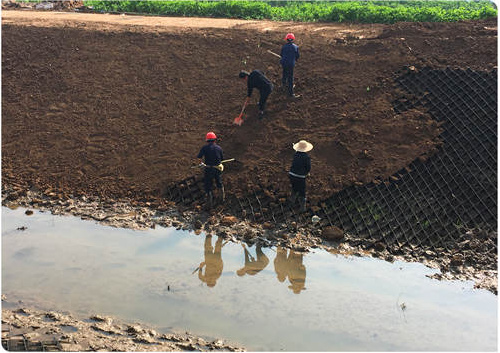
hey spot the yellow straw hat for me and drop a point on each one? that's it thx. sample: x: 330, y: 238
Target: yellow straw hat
x: 302, y: 146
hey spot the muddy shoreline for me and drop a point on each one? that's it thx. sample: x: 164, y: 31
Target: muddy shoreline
x: 467, y: 262
x: 29, y: 328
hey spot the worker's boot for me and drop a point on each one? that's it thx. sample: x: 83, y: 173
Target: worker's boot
x: 302, y: 203
x: 292, y: 198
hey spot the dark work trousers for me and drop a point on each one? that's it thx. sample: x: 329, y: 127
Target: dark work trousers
x: 211, y: 174
x: 264, y: 93
x: 287, y: 79
x: 298, y: 185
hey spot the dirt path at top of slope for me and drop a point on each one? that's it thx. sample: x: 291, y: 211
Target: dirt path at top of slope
x: 118, y: 106
x: 159, y: 23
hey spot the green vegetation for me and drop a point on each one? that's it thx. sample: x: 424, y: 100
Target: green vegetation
x: 312, y: 11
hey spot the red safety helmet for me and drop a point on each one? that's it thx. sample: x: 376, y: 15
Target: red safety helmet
x: 290, y: 36
x: 211, y: 136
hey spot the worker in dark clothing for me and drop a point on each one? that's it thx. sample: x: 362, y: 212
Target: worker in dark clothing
x: 289, y: 55
x: 213, y: 155
x: 301, y: 166
x: 257, y: 79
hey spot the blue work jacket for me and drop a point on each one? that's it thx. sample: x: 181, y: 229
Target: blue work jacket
x: 289, y: 54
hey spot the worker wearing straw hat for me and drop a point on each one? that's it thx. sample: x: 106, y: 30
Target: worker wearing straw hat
x: 301, y: 166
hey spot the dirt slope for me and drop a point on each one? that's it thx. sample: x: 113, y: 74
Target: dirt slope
x: 118, y: 106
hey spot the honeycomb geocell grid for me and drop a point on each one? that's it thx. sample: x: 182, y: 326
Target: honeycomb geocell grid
x: 431, y: 203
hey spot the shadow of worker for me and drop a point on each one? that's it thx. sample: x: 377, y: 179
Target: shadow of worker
x: 290, y: 266
x: 252, y: 265
x: 213, y: 262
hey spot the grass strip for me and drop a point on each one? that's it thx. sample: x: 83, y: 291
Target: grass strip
x: 310, y: 11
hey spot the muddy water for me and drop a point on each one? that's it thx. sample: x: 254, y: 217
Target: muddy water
x: 264, y: 299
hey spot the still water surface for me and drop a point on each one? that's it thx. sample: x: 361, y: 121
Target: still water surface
x: 265, y: 299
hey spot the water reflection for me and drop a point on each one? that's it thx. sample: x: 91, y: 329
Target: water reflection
x: 68, y: 264
x: 252, y: 265
x: 290, y: 266
x: 213, y: 262
x: 287, y: 264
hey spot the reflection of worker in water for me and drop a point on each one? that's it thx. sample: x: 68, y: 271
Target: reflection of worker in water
x: 292, y: 267
x: 280, y: 264
x: 296, y: 272
x: 253, y: 266
x: 213, y: 262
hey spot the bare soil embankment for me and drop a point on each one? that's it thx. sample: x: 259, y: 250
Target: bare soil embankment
x: 118, y: 106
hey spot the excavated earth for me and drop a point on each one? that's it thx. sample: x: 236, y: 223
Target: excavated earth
x: 101, y: 113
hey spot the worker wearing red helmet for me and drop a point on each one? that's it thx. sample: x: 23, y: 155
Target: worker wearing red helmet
x: 213, y: 155
x: 289, y: 55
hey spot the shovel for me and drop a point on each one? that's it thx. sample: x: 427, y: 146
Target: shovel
x: 277, y: 55
x: 239, y: 120
x: 220, y: 166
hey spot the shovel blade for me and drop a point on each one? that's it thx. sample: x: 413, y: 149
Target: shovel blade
x: 238, y: 121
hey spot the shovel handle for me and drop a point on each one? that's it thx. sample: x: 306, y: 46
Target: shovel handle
x: 244, y: 106
x: 239, y: 120
x: 199, y: 165
x: 277, y: 55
